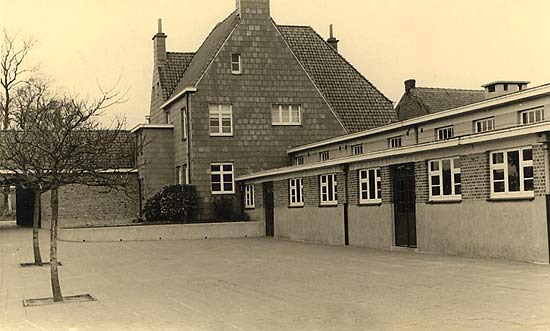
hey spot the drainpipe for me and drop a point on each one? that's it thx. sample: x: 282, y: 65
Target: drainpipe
x: 345, y: 168
x: 188, y: 124
x: 547, y: 182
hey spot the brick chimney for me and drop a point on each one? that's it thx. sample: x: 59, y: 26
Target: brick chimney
x: 254, y: 10
x: 409, y: 85
x: 159, y: 45
x: 333, y: 42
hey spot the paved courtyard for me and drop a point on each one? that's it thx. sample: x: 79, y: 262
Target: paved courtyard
x: 263, y: 284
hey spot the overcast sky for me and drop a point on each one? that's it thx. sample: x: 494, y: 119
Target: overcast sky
x: 440, y: 43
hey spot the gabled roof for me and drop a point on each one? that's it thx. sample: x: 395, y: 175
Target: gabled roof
x: 172, y: 70
x: 206, y: 52
x: 438, y: 99
x: 356, y: 102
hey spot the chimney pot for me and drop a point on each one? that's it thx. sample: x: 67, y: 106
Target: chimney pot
x: 333, y: 42
x: 159, y: 45
x: 409, y: 85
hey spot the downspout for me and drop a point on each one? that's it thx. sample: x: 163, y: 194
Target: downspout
x: 188, y: 124
x: 547, y: 186
x: 345, y: 168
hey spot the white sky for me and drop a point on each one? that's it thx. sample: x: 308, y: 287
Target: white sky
x: 440, y: 43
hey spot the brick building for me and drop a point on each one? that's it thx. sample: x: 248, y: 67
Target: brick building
x: 466, y: 180
x: 252, y: 90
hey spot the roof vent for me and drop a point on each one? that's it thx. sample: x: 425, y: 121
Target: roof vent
x: 502, y: 87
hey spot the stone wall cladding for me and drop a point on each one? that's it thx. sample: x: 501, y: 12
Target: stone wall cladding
x: 311, y: 191
x: 421, y: 181
x: 475, y: 175
x: 281, y: 193
x: 353, y: 187
x: 387, y: 186
x: 84, y: 206
x: 539, y: 170
x: 271, y: 75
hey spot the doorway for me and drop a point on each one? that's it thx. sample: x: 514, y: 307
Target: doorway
x: 24, y: 206
x: 404, y: 201
x: 269, y: 209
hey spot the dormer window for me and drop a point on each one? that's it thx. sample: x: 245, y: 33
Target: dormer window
x: 236, y: 64
x: 444, y: 133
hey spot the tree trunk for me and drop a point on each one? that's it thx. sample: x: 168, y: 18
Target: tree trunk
x: 56, y: 289
x: 36, y: 218
x: 6, y: 192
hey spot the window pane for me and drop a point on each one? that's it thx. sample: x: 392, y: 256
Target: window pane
x: 434, y: 165
x: 456, y: 163
x: 498, y: 174
x: 498, y: 158
x: 214, y: 168
x: 527, y: 154
x: 228, y: 187
x: 227, y: 167
x: 363, y: 174
x: 436, y: 191
x: 227, y: 178
x: 458, y: 189
x: 447, y: 190
x: 531, y: 117
x: 216, y: 178
x: 499, y: 187
x: 528, y: 184
x: 286, y: 115
x: 435, y: 180
x: 364, y: 187
x: 372, y: 182
x: 528, y: 172
x: 513, y: 171
x: 295, y: 114
x: 216, y: 187
x: 457, y: 179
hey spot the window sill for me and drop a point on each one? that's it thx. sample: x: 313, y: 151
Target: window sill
x: 221, y: 135
x: 286, y: 124
x: 512, y: 197
x: 328, y: 205
x: 236, y: 73
x: 374, y: 203
x: 249, y: 208
x: 223, y: 193
x: 296, y: 206
x: 443, y: 201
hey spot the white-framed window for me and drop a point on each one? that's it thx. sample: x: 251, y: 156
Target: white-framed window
x: 221, y: 120
x: 168, y: 117
x: 296, y: 192
x: 445, y: 179
x: 394, y: 142
x: 512, y: 173
x: 236, y: 64
x: 357, y: 149
x: 324, y: 156
x: 328, y: 189
x: 370, y: 186
x: 222, y: 178
x: 445, y: 133
x: 286, y: 114
x: 532, y: 116
x: 484, y: 125
x: 184, y: 123
x: 249, y: 197
x: 299, y: 160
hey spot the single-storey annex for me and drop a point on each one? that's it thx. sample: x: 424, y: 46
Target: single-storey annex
x: 470, y: 180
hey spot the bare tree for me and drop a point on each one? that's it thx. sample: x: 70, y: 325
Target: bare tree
x: 13, y: 72
x: 21, y: 164
x: 69, y: 146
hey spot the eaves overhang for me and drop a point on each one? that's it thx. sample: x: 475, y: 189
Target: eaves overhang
x: 489, y: 103
x: 407, y: 150
x: 178, y: 96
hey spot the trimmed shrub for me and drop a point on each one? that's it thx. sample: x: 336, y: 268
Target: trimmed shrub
x: 151, y: 210
x: 176, y: 203
x: 225, y: 209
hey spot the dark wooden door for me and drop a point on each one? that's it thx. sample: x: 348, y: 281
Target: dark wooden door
x: 269, y: 212
x: 404, y: 200
x: 24, y: 210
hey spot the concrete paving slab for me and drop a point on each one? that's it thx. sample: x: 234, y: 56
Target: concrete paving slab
x: 266, y: 284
